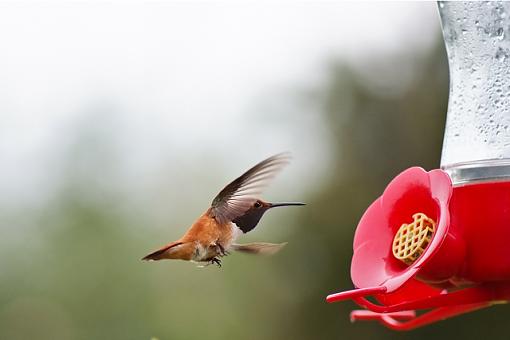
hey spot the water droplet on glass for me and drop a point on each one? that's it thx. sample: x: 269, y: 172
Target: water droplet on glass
x: 500, y: 34
x: 501, y: 55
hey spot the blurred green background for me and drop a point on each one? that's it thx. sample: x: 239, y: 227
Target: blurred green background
x: 72, y: 240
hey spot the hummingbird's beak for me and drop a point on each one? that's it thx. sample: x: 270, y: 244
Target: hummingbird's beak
x: 273, y: 205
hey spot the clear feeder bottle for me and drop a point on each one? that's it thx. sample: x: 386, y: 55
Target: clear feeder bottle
x: 477, y: 137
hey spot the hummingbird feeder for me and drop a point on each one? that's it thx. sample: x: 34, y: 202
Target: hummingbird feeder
x: 435, y: 243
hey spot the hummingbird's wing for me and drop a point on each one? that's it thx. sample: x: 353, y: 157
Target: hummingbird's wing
x: 238, y: 196
x: 261, y: 248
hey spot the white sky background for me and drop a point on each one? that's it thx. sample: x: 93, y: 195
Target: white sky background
x: 184, y: 79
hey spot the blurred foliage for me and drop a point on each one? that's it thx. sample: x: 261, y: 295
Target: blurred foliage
x: 79, y: 275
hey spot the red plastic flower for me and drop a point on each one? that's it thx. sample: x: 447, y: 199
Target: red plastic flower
x: 414, y: 190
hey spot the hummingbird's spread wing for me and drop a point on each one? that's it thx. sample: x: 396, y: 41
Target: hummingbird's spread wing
x: 238, y: 196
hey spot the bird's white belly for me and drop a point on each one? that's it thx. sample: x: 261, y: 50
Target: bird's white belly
x: 236, y: 232
x: 201, y: 253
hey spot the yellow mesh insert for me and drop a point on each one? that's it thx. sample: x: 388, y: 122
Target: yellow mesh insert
x: 411, y: 239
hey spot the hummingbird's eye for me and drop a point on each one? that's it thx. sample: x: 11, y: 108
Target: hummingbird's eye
x: 257, y: 204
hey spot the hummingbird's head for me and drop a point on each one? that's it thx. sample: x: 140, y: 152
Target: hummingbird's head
x: 252, y: 216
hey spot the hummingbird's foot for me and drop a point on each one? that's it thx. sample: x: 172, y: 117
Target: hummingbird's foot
x: 223, y: 251
x: 216, y: 261
x: 220, y: 249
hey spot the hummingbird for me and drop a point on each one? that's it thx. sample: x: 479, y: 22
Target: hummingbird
x: 236, y: 210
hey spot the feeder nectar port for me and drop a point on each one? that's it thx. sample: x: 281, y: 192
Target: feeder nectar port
x: 412, y: 239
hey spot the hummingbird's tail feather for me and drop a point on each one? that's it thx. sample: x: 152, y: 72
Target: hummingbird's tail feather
x: 159, y: 254
x: 261, y: 248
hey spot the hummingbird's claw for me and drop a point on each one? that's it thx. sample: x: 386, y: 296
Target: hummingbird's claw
x: 221, y: 250
x: 217, y: 261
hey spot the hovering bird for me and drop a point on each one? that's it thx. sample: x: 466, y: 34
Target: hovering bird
x: 235, y: 210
